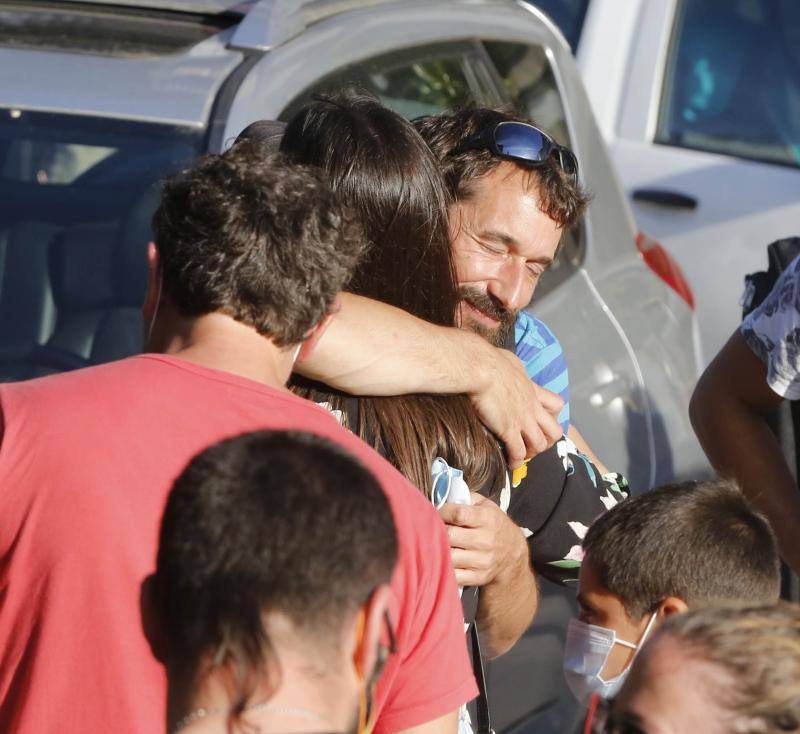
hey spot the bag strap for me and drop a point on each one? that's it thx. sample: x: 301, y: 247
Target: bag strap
x: 484, y: 718
x: 469, y: 604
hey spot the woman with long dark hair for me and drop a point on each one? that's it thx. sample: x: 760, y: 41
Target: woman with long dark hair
x: 383, y: 169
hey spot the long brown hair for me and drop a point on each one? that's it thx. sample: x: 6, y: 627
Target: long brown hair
x: 383, y: 169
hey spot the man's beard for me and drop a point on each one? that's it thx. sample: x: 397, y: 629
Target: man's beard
x: 485, y: 304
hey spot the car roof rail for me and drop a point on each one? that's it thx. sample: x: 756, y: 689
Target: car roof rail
x: 193, y: 7
x: 316, y: 10
x: 269, y: 23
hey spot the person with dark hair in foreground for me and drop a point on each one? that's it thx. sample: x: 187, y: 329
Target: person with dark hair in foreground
x: 249, y: 256
x: 269, y: 606
x: 656, y: 555
x: 715, y: 670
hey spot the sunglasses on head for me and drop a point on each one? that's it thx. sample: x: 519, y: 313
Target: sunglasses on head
x: 523, y: 143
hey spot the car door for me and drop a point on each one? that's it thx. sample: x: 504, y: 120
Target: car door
x: 707, y: 140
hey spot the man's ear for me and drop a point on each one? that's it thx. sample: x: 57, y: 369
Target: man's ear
x: 672, y: 605
x: 315, y: 333
x: 369, y: 633
x: 151, y: 625
x: 153, y: 283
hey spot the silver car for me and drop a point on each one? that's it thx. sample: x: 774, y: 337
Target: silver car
x: 99, y: 100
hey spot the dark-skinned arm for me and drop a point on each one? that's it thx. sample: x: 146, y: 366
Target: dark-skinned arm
x: 729, y: 411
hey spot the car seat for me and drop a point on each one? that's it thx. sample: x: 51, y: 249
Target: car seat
x: 97, y: 274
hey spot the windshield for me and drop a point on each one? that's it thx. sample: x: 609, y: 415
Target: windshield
x: 77, y: 196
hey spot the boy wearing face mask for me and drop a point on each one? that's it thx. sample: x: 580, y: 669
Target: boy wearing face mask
x: 676, y: 547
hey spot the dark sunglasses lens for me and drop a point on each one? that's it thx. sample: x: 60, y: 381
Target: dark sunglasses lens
x: 521, y: 141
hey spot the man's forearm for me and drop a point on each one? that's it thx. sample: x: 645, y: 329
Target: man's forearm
x: 371, y: 348
x: 506, y: 607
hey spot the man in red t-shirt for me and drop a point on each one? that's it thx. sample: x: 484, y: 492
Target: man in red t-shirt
x: 243, y: 279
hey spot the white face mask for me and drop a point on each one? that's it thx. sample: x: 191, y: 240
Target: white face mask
x: 586, y: 652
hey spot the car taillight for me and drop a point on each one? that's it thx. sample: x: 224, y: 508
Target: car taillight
x: 664, y: 266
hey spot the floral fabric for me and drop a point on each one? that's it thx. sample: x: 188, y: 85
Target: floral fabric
x: 772, y: 331
x: 554, y: 499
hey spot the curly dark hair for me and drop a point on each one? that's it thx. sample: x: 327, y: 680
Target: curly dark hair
x: 270, y: 521
x: 250, y: 235
x: 561, y: 199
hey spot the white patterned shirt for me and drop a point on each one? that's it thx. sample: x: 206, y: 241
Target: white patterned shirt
x: 772, y: 331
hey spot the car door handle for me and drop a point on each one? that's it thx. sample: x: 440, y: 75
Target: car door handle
x: 664, y: 197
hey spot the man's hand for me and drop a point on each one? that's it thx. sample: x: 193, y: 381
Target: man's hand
x: 484, y: 541
x: 519, y: 412
x: 489, y: 550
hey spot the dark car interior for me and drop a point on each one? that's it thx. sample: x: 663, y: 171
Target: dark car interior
x: 74, y: 228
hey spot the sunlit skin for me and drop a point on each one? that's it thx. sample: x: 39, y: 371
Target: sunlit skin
x: 670, y: 691
x: 601, y: 607
x: 502, y: 244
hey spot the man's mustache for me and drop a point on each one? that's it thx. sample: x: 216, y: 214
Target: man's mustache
x: 487, y: 305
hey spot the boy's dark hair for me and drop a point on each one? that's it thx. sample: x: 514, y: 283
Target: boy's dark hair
x: 698, y: 541
x: 247, y: 234
x: 270, y: 521
x: 561, y: 199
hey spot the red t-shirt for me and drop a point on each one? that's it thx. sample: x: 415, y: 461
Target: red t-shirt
x: 86, y: 461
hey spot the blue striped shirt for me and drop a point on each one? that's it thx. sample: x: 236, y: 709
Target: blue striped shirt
x: 543, y: 358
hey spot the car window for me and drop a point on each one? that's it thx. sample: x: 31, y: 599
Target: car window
x: 78, y: 194
x: 733, y: 79
x: 417, y: 81
x: 528, y: 84
x: 568, y: 15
